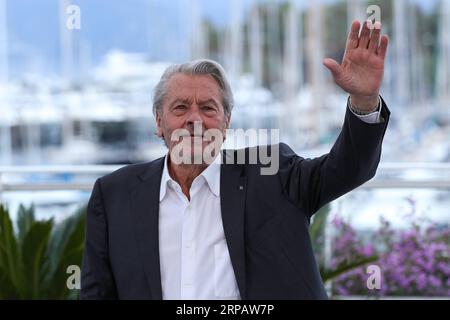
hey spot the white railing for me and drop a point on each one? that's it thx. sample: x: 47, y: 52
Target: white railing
x: 97, y: 170
x: 387, y: 176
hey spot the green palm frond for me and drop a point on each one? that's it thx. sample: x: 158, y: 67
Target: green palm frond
x: 34, y: 260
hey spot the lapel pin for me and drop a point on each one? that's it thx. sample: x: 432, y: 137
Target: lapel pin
x: 241, y: 187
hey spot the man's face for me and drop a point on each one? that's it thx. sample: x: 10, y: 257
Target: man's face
x: 191, y: 100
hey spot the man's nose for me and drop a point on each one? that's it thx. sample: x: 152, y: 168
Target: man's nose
x: 194, y: 116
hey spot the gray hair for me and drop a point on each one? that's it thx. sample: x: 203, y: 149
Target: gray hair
x: 196, y: 67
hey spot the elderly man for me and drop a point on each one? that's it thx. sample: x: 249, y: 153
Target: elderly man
x: 181, y: 227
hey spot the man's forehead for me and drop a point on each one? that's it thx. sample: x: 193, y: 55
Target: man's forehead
x: 185, y: 84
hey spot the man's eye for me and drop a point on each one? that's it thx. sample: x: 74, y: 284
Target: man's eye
x: 208, y: 108
x: 180, y: 107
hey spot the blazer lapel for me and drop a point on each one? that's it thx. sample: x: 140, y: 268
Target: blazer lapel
x: 145, y: 211
x: 233, y: 188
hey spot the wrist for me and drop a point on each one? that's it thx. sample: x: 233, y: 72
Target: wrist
x: 364, y: 103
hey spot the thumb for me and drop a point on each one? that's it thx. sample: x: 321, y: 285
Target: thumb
x: 333, y: 66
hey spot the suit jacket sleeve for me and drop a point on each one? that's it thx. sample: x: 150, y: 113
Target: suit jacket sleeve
x: 353, y: 160
x: 97, y: 281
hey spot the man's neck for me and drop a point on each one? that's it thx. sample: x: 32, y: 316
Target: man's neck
x: 185, y: 174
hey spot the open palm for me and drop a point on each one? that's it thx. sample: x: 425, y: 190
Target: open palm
x: 361, y: 71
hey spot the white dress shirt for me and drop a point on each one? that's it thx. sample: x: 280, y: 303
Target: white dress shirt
x: 194, y: 258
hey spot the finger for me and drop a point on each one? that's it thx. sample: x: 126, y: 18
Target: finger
x: 375, y: 38
x: 352, y: 40
x: 364, y: 37
x: 381, y: 51
x: 333, y: 66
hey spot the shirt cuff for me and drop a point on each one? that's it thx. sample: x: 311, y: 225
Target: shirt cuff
x: 371, y: 117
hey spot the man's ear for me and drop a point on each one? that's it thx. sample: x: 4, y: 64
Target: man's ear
x: 159, y: 131
x: 227, y: 126
x: 228, y: 122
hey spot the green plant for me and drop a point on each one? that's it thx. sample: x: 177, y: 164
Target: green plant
x: 34, y: 257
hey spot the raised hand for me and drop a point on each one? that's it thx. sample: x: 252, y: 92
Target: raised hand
x: 361, y: 72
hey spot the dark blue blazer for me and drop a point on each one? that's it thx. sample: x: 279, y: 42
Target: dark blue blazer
x: 265, y: 219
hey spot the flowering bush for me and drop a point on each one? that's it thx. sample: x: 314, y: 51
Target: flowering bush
x: 413, y: 262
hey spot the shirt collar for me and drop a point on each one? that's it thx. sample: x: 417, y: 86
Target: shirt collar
x: 211, y: 174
